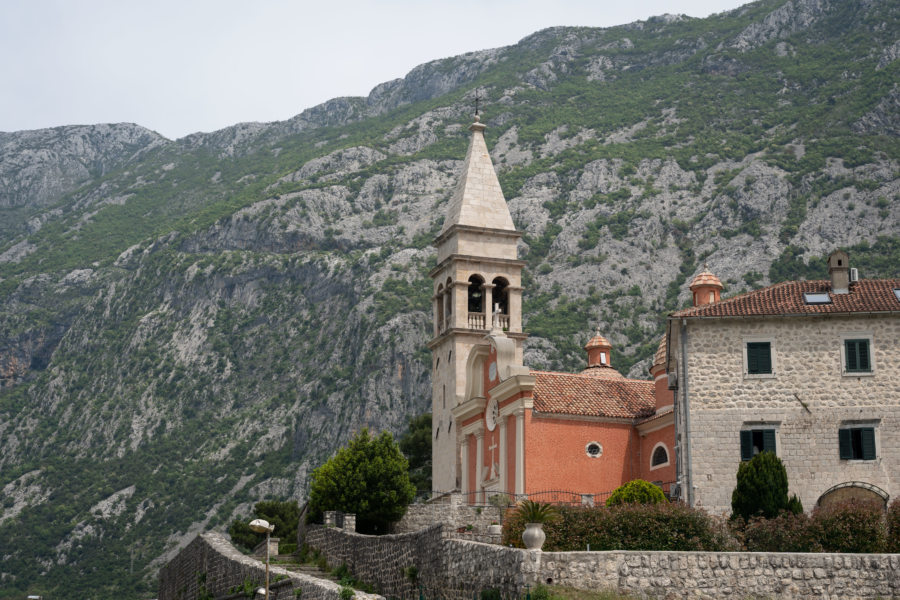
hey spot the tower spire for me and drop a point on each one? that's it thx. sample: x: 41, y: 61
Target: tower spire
x: 478, y: 200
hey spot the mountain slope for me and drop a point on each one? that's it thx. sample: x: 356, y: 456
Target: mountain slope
x: 193, y: 325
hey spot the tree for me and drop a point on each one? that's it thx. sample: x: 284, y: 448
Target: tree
x: 369, y: 477
x: 283, y: 515
x: 416, y: 446
x: 762, y: 488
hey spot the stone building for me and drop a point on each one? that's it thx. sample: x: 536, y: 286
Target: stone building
x: 807, y: 369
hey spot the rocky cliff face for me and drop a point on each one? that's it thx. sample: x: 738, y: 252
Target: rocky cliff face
x: 190, y: 326
x: 38, y: 167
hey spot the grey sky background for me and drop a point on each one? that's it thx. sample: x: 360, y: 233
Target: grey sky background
x: 181, y: 66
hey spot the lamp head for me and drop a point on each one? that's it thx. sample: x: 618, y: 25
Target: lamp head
x: 261, y: 526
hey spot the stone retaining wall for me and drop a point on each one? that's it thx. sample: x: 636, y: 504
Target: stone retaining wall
x: 451, y: 511
x: 453, y: 568
x: 211, y: 567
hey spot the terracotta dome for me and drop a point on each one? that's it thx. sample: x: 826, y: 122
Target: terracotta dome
x: 705, y: 278
x: 597, y: 341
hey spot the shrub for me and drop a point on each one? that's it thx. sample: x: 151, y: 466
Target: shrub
x: 787, y: 532
x: 893, y: 526
x: 287, y: 547
x: 636, y: 492
x: 624, y: 527
x: 850, y: 526
x: 762, y: 488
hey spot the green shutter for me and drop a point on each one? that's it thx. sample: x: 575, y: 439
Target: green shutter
x: 845, y: 443
x: 746, y: 445
x: 868, y: 443
x: 858, y: 357
x: 765, y: 358
x: 769, y: 440
x: 850, y: 350
x: 752, y: 359
x: 863, y: 349
x: 759, y: 357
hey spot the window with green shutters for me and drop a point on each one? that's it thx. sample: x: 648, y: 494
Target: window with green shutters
x: 857, y: 355
x: 857, y: 443
x: 754, y: 441
x: 759, y: 358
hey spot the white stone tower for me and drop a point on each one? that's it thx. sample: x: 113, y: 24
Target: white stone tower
x: 478, y: 278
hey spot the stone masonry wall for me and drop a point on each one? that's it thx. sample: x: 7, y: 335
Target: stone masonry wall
x: 806, y: 400
x: 211, y: 567
x: 453, y: 512
x: 452, y: 568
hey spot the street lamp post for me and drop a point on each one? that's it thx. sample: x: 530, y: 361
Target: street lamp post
x: 263, y: 526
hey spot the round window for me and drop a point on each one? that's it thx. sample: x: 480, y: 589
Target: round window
x: 593, y: 449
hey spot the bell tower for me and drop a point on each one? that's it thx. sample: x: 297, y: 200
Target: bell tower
x: 478, y: 279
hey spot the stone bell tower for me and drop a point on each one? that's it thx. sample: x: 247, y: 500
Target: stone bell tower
x: 478, y: 279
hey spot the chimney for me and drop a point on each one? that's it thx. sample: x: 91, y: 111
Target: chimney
x: 839, y: 272
x: 706, y: 288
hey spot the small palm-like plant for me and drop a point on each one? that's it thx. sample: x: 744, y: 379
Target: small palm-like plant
x: 537, y: 512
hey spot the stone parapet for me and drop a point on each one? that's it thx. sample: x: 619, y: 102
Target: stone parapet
x: 452, y: 568
x: 456, y: 514
x: 211, y: 567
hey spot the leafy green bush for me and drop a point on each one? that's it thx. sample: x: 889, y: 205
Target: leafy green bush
x: 762, y: 488
x: 287, y: 547
x: 369, y: 477
x: 662, y: 526
x: 637, y: 491
x: 893, y: 525
x: 787, y: 532
x: 850, y: 526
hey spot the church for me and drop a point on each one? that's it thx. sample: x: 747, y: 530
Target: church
x: 500, y: 427
x: 805, y: 369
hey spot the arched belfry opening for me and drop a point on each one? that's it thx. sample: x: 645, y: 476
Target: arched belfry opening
x: 439, y: 306
x: 476, y: 299
x: 448, y: 302
x: 501, y: 300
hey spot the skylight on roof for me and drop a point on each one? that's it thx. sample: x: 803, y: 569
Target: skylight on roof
x: 816, y: 298
x: 897, y: 293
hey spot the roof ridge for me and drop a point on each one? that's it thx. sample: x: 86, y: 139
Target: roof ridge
x: 589, y: 377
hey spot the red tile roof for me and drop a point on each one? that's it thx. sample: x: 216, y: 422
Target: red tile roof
x: 866, y: 295
x: 583, y: 395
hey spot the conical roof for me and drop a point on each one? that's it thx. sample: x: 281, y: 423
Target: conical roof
x: 478, y: 200
x: 706, y: 278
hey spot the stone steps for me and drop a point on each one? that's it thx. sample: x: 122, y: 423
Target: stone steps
x: 305, y: 569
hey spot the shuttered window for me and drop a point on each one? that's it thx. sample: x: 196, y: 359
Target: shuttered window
x: 754, y: 441
x: 857, y: 443
x: 858, y: 356
x: 759, y: 358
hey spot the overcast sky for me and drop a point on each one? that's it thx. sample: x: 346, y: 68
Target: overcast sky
x: 180, y: 66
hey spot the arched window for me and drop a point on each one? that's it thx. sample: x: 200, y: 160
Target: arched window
x: 476, y: 294
x: 501, y: 295
x: 660, y: 456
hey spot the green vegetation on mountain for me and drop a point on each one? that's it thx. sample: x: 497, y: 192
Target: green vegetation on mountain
x: 196, y: 326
